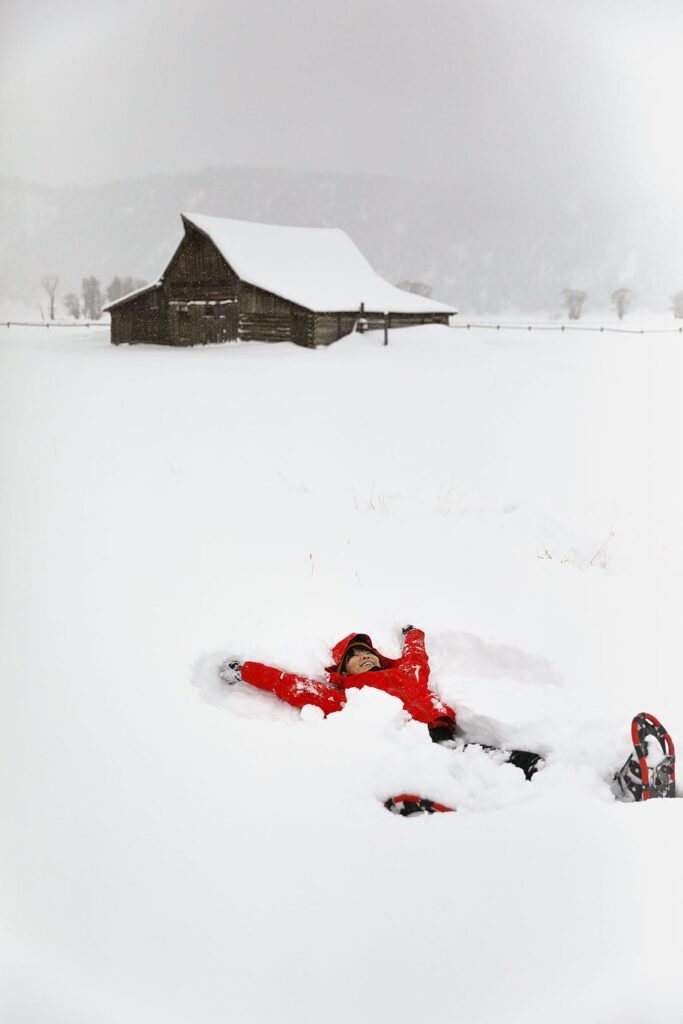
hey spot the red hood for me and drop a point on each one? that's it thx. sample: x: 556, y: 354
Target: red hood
x: 340, y: 649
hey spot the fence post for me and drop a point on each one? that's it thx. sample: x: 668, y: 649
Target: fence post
x: 386, y: 328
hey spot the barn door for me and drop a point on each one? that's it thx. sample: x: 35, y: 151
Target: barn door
x: 184, y: 322
x: 209, y: 324
x: 227, y: 320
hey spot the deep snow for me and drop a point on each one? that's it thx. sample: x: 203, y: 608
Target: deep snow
x: 176, y: 852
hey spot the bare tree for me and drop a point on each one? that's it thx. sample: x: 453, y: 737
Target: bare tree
x: 114, y: 289
x: 622, y: 300
x: 50, y: 283
x: 416, y: 287
x: 574, y: 299
x: 72, y: 304
x: 677, y: 305
x: 92, y: 298
x: 121, y: 286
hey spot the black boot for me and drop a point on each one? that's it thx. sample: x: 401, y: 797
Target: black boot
x: 526, y: 760
x: 529, y: 762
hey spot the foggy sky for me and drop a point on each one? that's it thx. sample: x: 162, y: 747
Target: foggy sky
x: 553, y: 96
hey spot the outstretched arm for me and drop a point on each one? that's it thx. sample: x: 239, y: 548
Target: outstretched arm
x: 439, y: 716
x: 295, y: 690
x: 414, y: 650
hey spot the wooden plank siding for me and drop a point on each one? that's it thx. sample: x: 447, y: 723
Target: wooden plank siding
x: 329, y: 327
x: 413, y: 319
x: 198, y: 271
x: 268, y: 317
x: 141, y: 318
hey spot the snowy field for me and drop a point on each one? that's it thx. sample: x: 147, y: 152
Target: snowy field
x: 174, y: 852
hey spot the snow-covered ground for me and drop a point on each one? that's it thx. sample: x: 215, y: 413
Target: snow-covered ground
x: 174, y: 852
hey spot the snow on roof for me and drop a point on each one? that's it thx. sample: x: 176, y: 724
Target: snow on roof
x: 317, y: 268
x: 130, y: 295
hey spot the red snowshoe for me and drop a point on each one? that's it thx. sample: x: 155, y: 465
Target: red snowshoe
x: 407, y: 804
x: 650, y: 771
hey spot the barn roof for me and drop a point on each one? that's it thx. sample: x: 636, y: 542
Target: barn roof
x: 131, y: 295
x: 317, y: 268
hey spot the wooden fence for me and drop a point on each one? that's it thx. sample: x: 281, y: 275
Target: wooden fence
x: 461, y: 326
x: 55, y: 323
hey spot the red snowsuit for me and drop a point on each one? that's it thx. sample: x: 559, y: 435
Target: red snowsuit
x: 406, y: 677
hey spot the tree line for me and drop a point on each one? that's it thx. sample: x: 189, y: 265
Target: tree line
x: 91, y: 300
x: 574, y: 299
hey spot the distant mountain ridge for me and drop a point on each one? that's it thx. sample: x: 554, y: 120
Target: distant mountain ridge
x: 480, y: 252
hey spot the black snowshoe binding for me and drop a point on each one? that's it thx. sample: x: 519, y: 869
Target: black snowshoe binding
x: 650, y: 771
x: 408, y: 804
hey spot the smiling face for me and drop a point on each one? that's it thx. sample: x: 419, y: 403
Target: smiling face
x: 361, y: 659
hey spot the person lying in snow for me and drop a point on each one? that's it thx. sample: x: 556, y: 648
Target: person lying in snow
x: 358, y: 663
x: 650, y: 771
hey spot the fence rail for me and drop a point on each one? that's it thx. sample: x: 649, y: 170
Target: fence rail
x: 54, y: 323
x: 467, y: 326
x: 565, y: 327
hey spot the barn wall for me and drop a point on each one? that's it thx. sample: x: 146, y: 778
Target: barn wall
x: 329, y: 327
x: 415, y: 319
x: 154, y: 318
x: 267, y: 317
x: 202, y: 293
x: 255, y: 301
x: 265, y: 327
x: 202, y: 322
x: 139, y: 320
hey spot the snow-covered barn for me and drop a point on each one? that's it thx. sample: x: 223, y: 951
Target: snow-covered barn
x: 231, y: 279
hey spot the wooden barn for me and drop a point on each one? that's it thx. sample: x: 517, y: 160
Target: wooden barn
x: 232, y: 280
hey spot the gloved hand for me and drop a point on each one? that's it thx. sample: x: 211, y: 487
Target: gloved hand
x: 441, y: 730
x: 407, y: 629
x: 230, y: 671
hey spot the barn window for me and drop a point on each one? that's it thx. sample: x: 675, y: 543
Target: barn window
x: 209, y: 310
x: 154, y: 300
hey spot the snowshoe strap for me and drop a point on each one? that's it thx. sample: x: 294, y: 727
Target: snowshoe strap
x: 406, y: 804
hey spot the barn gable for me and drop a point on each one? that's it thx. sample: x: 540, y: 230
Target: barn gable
x: 197, y: 262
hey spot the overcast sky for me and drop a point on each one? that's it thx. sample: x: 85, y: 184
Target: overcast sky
x: 537, y: 94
